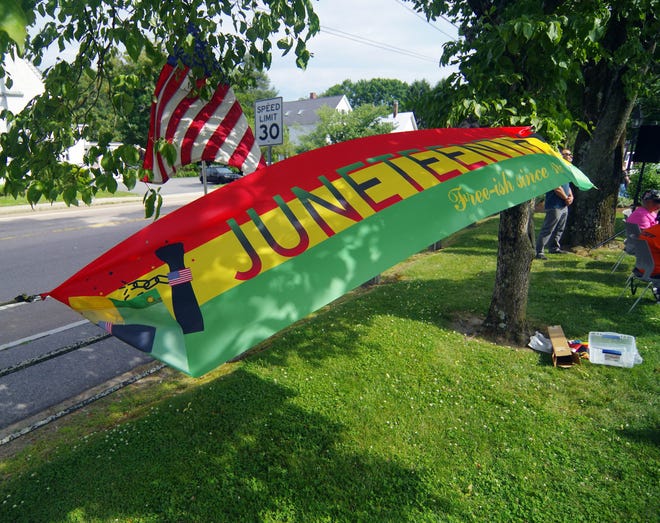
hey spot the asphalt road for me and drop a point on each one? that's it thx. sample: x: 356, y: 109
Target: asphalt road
x: 39, y: 249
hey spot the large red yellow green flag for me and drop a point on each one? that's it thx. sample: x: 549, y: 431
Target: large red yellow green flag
x: 214, y: 278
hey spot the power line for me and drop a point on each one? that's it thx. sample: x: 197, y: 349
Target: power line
x: 380, y: 45
x: 453, y: 38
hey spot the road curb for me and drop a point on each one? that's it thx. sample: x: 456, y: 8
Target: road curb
x: 51, y: 414
x: 61, y: 206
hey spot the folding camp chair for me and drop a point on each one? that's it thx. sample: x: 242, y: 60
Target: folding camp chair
x: 643, y: 271
x: 632, y: 231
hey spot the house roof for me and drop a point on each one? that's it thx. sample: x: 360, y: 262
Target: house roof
x: 402, y: 121
x: 304, y: 112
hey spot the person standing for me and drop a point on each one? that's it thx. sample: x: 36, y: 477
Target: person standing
x: 556, y: 213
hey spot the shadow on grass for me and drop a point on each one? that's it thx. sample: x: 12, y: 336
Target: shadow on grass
x: 648, y: 435
x: 240, y: 449
x: 563, y: 291
x: 236, y: 450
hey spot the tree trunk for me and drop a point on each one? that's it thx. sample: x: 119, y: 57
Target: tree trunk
x: 607, y: 102
x: 507, y: 316
x: 600, y: 157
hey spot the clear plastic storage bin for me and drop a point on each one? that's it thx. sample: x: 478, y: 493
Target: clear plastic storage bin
x: 611, y: 348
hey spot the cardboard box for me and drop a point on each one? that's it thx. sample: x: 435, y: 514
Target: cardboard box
x: 562, y: 355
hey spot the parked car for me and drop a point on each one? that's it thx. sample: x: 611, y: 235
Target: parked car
x: 219, y: 174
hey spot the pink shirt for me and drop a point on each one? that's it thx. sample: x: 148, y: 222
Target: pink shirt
x: 643, y: 217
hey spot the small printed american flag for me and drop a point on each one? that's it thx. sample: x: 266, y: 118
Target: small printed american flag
x: 177, y: 277
x: 106, y: 326
x: 201, y: 130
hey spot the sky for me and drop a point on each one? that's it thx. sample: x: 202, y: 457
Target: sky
x: 340, y: 52
x: 359, y: 39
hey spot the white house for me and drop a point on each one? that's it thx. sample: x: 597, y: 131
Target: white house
x: 26, y: 83
x: 401, y: 121
x: 301, y: 116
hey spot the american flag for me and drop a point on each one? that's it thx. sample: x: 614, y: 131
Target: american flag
x: 201, y: 130
x: 178, y: 277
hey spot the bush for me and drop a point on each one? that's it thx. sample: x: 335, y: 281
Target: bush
x: 187, y: 171
x: 624, y: 201
x: 650, y: 179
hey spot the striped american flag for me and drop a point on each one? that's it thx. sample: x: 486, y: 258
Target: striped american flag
x: 178, y: 277
x: 208, y: 130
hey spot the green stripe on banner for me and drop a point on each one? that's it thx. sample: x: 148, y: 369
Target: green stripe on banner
x: 251, y: 312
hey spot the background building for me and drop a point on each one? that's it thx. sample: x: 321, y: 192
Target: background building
x: 22, y: 82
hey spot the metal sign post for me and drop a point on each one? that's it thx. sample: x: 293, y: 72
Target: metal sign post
x: 268, y: 126
x: 204, y: 177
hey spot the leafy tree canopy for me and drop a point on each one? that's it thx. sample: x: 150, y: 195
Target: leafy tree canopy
x: 239, y: 36
x: 259, y: 89
x: 120, y: 110
x: 526, y: 62
x: 377, y: 91
x: 431, y: 105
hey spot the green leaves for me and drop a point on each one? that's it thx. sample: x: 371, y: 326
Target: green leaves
x: 524, y: 28
x: 153, y: 201
x: 376, y: 91
x: 34, y: 192
x: 285, y: 44
x: 554, y: 32
x: 13, y: 22
x: 167, y: 150
x: 91, y: 93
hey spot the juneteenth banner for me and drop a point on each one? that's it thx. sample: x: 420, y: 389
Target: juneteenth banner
x: 207, y: 282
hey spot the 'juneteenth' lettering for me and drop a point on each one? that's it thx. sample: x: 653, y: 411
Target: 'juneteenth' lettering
x: 368, y: 188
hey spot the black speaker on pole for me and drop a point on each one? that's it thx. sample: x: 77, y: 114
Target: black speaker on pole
x: 647, y: 148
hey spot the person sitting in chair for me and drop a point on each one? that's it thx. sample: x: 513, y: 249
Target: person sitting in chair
x: 651, y: 235
x: 646, y: 215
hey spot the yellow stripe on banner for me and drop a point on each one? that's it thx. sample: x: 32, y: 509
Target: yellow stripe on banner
x: 334, y: 220
x: 387, y: 183
x: 96, y: 308
x: 227, y: 256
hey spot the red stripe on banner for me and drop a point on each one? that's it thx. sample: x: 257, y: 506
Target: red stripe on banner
x: 203, y: 116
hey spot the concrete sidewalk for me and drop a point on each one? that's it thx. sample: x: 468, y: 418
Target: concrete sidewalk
x: 47, y: 206
x: 175, y: 190
x: 61, y: 206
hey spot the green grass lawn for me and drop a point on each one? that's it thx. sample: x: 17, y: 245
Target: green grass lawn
x: 379, y: 407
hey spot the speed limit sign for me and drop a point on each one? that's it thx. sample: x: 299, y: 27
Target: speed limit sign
x: 268, y: 121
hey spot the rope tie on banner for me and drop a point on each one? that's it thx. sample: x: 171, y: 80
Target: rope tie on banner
x: 23, y: 298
